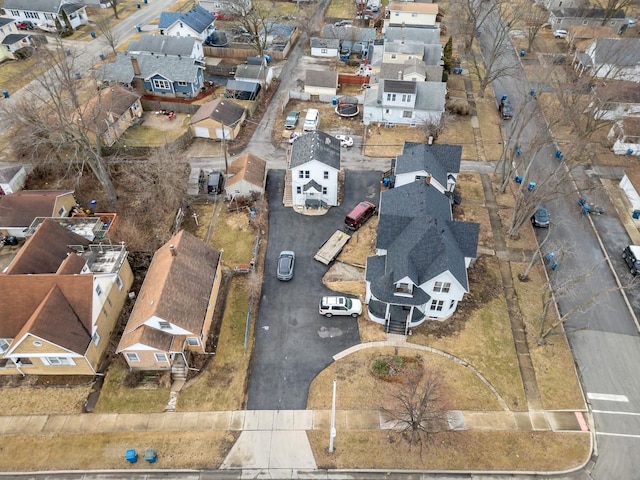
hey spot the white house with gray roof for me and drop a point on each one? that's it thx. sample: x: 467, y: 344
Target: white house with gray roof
x: 325, y: 47
x: 404, y: 102
x: 419, y: 271
x: 314, y: 166
x: 438, y: 165
x: 197, y: 22
x: 610, y: 58
x: 149, y: 44
x: 45, y: 12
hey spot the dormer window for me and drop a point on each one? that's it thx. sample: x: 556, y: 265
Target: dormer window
x: 441, y: 287
x: 404, y: 289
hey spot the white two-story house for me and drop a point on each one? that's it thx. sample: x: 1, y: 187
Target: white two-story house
x: 411, y: 14
x: 404, y: 102
x: 314, y: 168
x: 197, y: 23
x: 419, y: 271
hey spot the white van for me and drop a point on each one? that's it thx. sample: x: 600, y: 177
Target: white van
x: 311, y: 121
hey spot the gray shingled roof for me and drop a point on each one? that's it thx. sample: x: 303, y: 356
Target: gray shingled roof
x: 355, y: 34
x: 33, y: 5
x: 312, y: 184
x: 317, y: 42
x: 425, y: 35
x: 14, y: 38
x: 623, y: 52
x: 316, y: 146
x: 321, y: 78
x: 198, y: 19
x: 584, y: 13
x: 382, y: 283
x: 432, y: 54
x: 176, y: 69
x: 398, y: 86
x: 162, y: 45
x: 407, y: 48
x: 438, y: 160
x: 7, y: 173
x: 431, y: 96
x: 5, y: 21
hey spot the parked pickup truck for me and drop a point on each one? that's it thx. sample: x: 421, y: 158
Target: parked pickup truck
x: 631, y: 255
x: 505, y: 108
x: 332, y: 247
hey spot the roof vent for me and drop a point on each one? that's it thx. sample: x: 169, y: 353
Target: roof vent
x: 172, y: 249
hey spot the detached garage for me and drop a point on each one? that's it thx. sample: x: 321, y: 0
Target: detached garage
x: 320, y: 82
x: 218, y: 116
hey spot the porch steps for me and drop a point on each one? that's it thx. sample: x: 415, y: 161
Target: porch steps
x: 287, y: 198
x: 397, y: 327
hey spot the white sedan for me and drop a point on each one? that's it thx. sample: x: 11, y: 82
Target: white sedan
x: 345, y: 140
x: 293, y: 137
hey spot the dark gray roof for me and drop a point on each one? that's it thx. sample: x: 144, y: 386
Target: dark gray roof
x: 280, y: 29
x: 312, y: 184
x: 242, y: 85
x: 585, y: 13
x: 421, y: 239
x: 623, y: 52
x: 398, y: 86
x: 14, y: 38
x: 321, y: 78
x: 317, y: 42
x: 250, y: 71
x: 355, y: 34
x: 382, y: 283
x: 4, y: 21
x: 69, y: 8
x: 430, y: 96
x: 407, y: 48
x: 425, y: 35
x: 163, y: 45
x: 432, y: 54
x: 316, y: 146
x: 438, y: 160
x: 198, y: 19
x: 176, y: 69
x: 33, y: 5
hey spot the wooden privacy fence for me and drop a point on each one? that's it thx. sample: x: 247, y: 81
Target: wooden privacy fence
x: 155, y: 105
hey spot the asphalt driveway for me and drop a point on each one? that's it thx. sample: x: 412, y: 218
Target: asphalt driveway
x: 293, y: 342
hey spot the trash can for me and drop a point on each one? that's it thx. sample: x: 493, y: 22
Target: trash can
x: 138, y: 28
x: 636, y: 214
x: 150, y: 456
x: 5, y: 93
x: 386, y: 182
x: 78, y: 76
x: 93, y: 34
x: 558, y: 153
x: 138, y: 5
x: 523, y: 52
x: 518, y: 179
x: 334, y: 101
x: 67, y: 51
x: 131, y: 456
x: 101, y: 56
x: 531, y: 186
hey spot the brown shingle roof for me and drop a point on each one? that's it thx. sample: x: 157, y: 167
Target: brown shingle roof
x: 221, y: 110
x: 20, y: 208
x: 96, y: 112
x: 45, y: 250
x: 22, y: 295
x: 148, y: 336
x: 177, y: 288
x: 247, y: 167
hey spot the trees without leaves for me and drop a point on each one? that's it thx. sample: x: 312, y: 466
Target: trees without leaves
x: 258, y: 22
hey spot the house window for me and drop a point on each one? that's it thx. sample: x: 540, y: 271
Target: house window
x: 32, y: 15
x: 109, y: 302
x: 193, y: 341
x: 414, y: 15
x: 300, y: 174
x: 437, y: 305
x: 387, y: 111
x: 585, y: 22
x: 37, y: 343
x: 452, y: 304
x: 183, y: 84
x: 57, y: 361
x: 104, y: 312
x: 406, y: 98
x: 324, y: 50
x: 62, y: 212
x: 298, y: 190
x: 160, y: 84
x: 407, y: 114
x: 442, y: 287
x: 132, y: 357
x: 98, y: 289
x: 96, y: 338
x: 404, y: 288
x: 326, y: 175
x: 164, y: 325
x: 160, y: 357
x: 391, y: 97
x: 15, y: 13
x: 119, y: 282
x: 307, y: 174
x: 324, y: 190
x: 393, y: 56
x: 4, y: 345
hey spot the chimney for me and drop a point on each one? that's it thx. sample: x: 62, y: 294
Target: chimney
x: 400, y: 75
x: 172, y: 249
x: 427, y: 179
x: 136, y: 67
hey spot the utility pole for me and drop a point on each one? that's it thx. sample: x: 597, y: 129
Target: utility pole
x: 332, y: 434
x: 224, y: 149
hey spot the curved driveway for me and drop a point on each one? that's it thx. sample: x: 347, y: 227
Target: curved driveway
x: 293, y: 342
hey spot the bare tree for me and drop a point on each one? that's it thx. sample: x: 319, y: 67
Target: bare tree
x: 417, y: 408
x: 534, y: 16
x: 471, y: 16
x: 109, y: 36
x: 51, y: 126
x: 114, y: 6
x: 610, y: 7
x: 524, y: 276
x: 257, y: 20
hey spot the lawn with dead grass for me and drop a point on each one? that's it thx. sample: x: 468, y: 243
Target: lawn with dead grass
x: 461, y: 450
x: 458, y: 131
x: 359, y: 389
x: 141, y: 136
x: 341, y: 9
x: 479, y: 332
x: 102, y: 451
x: 221, y: 386
x: 49, y: 400
x: 233, y: 234
x: 388, y: 142
x: 490, y: 128
x: 116, y: 397
x: 15, y: 74
x: 552, y: 362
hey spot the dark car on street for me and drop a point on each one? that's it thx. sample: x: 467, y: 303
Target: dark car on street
x: 540, y: 218
x: 292, y: 120
x: 506, y: 109
x: 286, y: 262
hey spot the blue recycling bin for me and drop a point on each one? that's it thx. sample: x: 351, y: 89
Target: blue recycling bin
x: 636, y: 214
x: 518, y: 179
x: 146, y: 1
x: 138, y: 5
x: 131, y: 455
x: 67, y: 51
x: 334, y: 101
x: 101, y: 56
x: 150, y: 456
x: 5, y: 93
x: 138, y: 28
x: 523, y: 52
x: 531, y: 186
x: 386, y: 181
x: 93, y: 34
